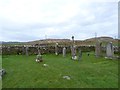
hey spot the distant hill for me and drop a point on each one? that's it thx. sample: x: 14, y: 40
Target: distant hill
x: 50, y: 41
x: 104, y: 40
x: 90, y: 41
x: 9, y: 43
x: 101, y: 39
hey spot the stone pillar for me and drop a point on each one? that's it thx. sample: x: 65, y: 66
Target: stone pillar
x: 73, y: 49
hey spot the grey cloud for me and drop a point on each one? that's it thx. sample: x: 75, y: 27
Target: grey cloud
x: 104, y: 23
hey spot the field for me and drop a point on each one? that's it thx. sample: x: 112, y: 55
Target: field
x: 90, y: 72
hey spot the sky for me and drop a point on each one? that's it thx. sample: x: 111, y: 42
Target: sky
x: 29, y: 20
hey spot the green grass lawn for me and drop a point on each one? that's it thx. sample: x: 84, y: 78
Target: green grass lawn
x: 90, y: 72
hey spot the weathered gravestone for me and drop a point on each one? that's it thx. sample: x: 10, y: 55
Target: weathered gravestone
x: 109, y: 50
x: 38, y: 48
x: 64, y: 52
x: 98, y: 49
x: 79, y: 55
x: 56, y: 49
x: 73, y: 49
x: 39, y: 58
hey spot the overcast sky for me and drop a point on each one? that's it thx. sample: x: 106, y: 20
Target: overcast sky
x: 28, y: 20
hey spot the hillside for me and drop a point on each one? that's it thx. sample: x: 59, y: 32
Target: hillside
x: 104, y: 40
x: 90, y: 41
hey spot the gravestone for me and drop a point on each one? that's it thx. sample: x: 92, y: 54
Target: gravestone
x: 27, y: 51
x: 56, y: 49
x: 109, y: 50
x: 39, y: 58
x: 74, y: 57
x: 39, y: 53
x: 64, y: 52
x: 98, y: 49
x: 73, y: 49
x: 79, y: 55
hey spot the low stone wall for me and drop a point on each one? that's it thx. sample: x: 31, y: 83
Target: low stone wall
x: 21, y: 50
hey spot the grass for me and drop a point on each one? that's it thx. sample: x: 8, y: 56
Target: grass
x: 90, y: 72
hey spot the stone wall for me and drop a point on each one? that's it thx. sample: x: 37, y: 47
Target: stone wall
x: 21, y: 50
x: 32, y: 50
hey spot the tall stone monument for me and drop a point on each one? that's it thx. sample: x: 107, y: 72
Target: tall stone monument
x: 109, y: 50
x: 64, y: 52
x: 73, y: 49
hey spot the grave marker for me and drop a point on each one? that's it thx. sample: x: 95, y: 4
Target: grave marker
x: 56, y: 49
x: 98, y: 49
x: 64, y: 52
x: 73, y: 49
x: 80, y: 55
x: 109, y: 50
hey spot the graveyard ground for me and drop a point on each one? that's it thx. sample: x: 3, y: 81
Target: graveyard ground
x: 90, y: 72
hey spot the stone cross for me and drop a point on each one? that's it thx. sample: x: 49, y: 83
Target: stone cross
x: 109, y: 50
x: 56, y: 49
x: 64, y: 52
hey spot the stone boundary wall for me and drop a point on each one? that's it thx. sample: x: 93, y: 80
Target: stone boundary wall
x: 33, y: 50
